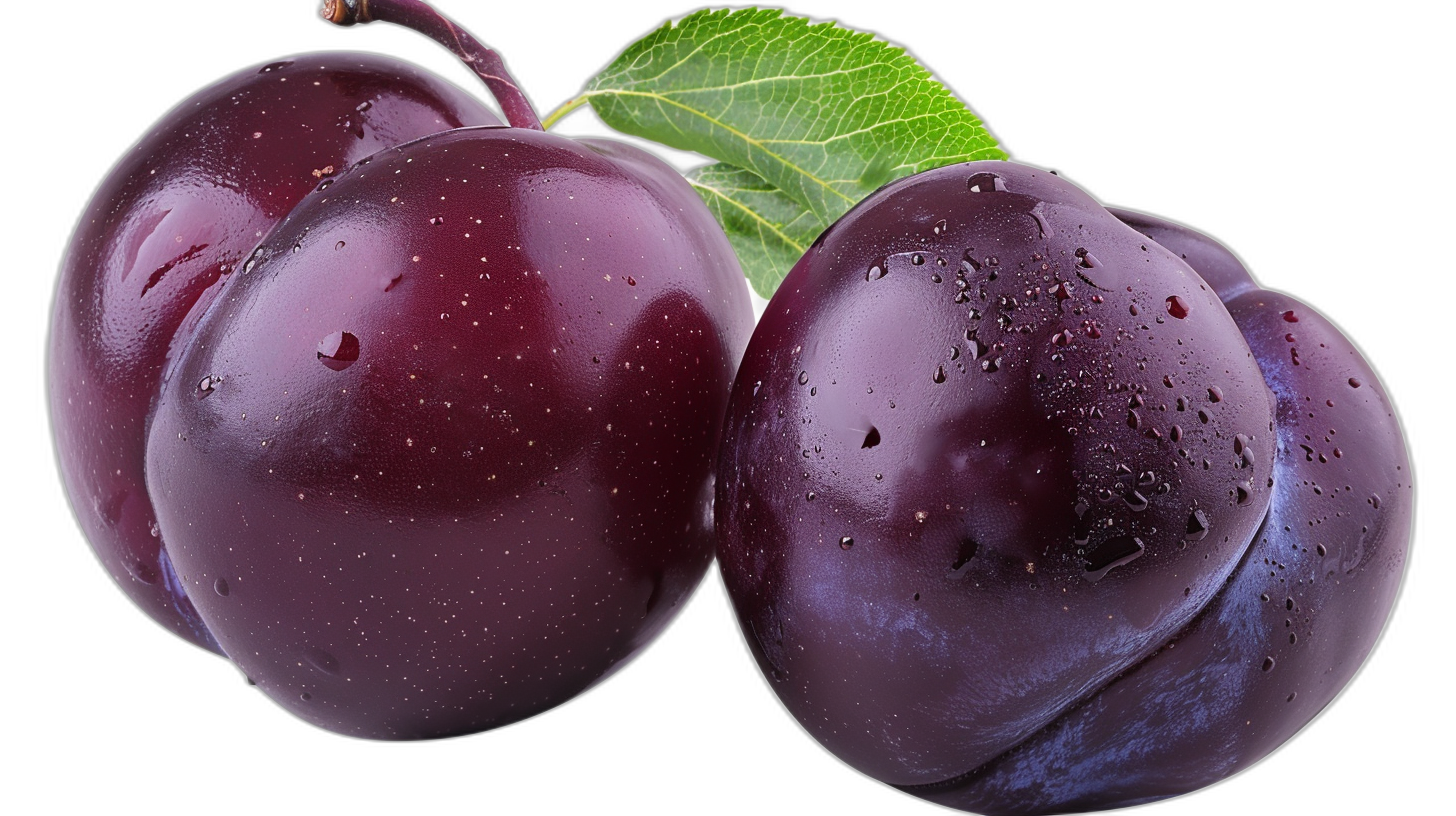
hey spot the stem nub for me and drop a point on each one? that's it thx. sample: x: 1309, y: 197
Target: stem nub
x: 416, y: 15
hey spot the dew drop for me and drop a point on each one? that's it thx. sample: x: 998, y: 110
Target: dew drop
x: 1111, y: 554
x: 220, y: 586
x: 208, y: 384
x: 1244, y: 494
x: 1268, y: 663
x: 339, y: 350
x: 437, y: 220
x: 803, y: 378
x: 966, y: 551
x: 940, y: 227
x: 339, y: 246
x: 1215, y: 394
x: 1354, y: 383
x: 876, y: 272
x: 939, y: 375
x: 986, y: 183
x: 1197, y: 529
x: 846, y: 542
x: 872, y: 438
x: 1177, y: 307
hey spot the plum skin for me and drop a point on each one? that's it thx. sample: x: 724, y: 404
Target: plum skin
x: 469, y: 395
x: 865, y: 653
x: 178, y: 213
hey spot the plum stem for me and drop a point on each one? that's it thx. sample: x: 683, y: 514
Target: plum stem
x: 566, y: 107
x: 418, y: 16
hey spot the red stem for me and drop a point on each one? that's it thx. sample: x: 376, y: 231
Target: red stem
x: 416, y: 15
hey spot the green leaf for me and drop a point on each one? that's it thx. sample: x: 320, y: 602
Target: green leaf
x: 822, y: 113
x: 768, y: 230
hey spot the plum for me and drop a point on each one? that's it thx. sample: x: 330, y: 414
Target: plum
x: 446, y: 450
x: 436, y: 453
x: 162, y: 233
x: 1021, y: 513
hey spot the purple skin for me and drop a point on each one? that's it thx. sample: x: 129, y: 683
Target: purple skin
x: 178, y: 213
x: 442, y: 458
x: 968, y: 619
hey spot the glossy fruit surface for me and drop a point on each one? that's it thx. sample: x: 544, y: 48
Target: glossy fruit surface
x: 690, y: 703
x: 991, y: 494
x: 442, y: 457
x: 179, y: 213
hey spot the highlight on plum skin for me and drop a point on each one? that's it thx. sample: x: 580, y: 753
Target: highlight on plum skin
x: 1122, y: 530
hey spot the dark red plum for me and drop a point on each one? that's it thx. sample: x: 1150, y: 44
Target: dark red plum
x: 903, y: 665
x: 178, y: 214
x: 440, y: 457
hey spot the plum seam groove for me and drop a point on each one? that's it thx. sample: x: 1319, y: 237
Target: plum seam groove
x: 985, y: 767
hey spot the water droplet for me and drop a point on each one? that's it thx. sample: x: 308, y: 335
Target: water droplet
x: 1197, y: 529
x: 1290, y: 318
x: 1354, y: 383
x: 305, y: 696
x: 1136, y: 501
x: 1175, y: 433
x: 274, y: 66
x: 1111, y: 554
x: 220, y: 586
x: 967, y: 551
x: 1215, y: 394
x: 208, y: 384
x: 437, y: 220
x: 810, y: 496
x: 338, y: 246
x: 846, y: 542
x: 1244, y: 494
x: 803, y: 378
x: 986, y: 183
x: 1062, y: 338
x: 1087, y: 260
x: 872, y: 438
x: 1177, y: 307
x: 877, y: 271
x: 917, y: 259
x: 1268, y: 663
x: 939, y: 375
x: 339, y: 350
x: 364, y: 106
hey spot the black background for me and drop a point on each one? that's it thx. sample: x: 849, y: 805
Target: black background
x: 1287, y: 149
